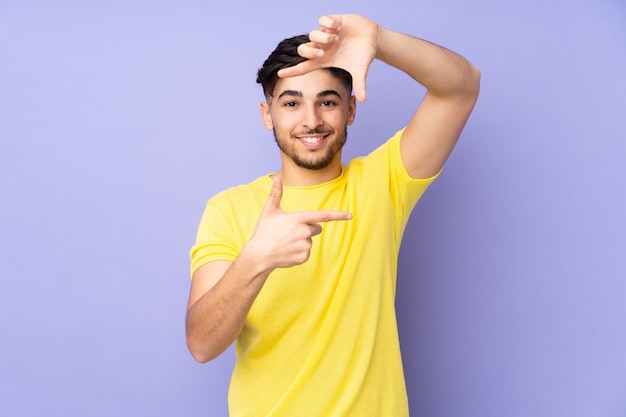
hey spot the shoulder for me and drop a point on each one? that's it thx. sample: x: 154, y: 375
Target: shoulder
x: 250, y: 192
x: 385, y: 155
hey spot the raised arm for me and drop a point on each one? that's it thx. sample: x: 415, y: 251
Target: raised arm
x: 452, y: 85
x: 352, y: 42
x: 222, y: 292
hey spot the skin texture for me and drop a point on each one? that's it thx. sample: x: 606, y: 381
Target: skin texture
x: 309, y: 125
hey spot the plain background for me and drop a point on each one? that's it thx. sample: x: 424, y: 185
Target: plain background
x: 119, y: 119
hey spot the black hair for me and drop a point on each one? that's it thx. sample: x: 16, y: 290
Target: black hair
x: 286, y: 55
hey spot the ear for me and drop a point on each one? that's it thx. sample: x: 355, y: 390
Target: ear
x: 266, y: 115
x: 351, y: 110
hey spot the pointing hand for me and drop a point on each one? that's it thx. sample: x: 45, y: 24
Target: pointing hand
x: 284, y: 239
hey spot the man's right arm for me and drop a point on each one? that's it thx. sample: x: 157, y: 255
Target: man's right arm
x: 222, y: 292
x: 221, y: 295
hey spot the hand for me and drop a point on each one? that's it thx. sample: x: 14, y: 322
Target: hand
x: 284, y: 239
x: 347, y: 41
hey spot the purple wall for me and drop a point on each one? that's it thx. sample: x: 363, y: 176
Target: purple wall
x: 119, y: 120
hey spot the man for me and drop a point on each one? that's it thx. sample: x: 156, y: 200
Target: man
x: 300, y: 266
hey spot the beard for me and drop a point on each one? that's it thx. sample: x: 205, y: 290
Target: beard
x: 313, y: 161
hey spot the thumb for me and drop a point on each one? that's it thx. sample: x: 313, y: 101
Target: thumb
x: 358, y: 85
x: 276, y: 194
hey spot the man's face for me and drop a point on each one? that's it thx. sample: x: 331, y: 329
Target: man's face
x: 309, y: 115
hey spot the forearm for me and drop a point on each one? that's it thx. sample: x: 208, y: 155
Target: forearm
x: 444, y: 73
x: 215, y: 319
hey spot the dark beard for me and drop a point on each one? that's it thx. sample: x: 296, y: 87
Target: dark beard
x: 322, y: 161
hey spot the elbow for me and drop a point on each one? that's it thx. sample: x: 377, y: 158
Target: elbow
x: 200, y: 342
x: 473, y: 81
x: 200, y: 357
x: 200, y: 353
x: 204, y: 348
x: 465, y: 86
x: 199, y: 347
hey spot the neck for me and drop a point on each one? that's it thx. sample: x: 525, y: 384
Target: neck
x: 295, y: 176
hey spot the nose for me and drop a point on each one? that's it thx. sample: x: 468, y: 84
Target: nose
x: 311, y: 117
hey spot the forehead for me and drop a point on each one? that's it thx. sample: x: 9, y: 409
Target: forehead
x: 310, y: 84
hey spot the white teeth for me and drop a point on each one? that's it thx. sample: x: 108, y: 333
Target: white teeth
x: 311, y: 139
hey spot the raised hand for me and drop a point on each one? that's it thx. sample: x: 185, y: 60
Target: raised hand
x: 284, y: 239
x: 344, y: 41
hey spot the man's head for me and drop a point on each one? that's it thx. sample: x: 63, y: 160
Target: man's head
x: 308, y: 113
x: 286, y: 55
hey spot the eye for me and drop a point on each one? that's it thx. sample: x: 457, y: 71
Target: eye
x: 290, y: 104
x: 328, y: 103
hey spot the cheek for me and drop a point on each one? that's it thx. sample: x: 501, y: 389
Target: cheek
x: 337, y: 119
x: 285, y: 121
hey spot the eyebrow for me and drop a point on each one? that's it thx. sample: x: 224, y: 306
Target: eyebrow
x: 294, y: 93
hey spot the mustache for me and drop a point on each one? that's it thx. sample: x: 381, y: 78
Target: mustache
x: 316, y: 131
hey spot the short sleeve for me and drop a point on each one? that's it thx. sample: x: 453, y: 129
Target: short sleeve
x: 404, y: 190
x: 214, y: 239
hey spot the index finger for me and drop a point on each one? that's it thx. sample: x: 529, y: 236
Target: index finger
x: 330, y: 22
x: 310, y: 217
x: 302, y: 68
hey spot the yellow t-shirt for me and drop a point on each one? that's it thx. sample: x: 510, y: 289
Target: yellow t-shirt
x: 321, y: 338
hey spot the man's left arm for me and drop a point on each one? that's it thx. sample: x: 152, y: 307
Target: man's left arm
x: 352, y: 42
x: 452, y: 85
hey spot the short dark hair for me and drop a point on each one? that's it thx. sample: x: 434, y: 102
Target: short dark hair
x: 286, y: 55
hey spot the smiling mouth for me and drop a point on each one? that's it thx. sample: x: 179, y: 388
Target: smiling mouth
x: 313, y: 139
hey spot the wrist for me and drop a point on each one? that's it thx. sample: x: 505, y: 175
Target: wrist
x: 383, y: 43
x: 255, y: 261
